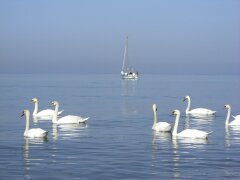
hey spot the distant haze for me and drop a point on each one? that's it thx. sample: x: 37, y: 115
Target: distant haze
x: 88, y: 36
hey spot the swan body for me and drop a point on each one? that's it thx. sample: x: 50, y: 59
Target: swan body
x: 160, y: 126
x: 197, y: 111
x: 34, y: 132
x: 235, y: 122
x: 187, y: 133
x: 43, y: 113
x: 70, y: 119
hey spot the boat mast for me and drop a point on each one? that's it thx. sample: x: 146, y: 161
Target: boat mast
x: 125, y: 59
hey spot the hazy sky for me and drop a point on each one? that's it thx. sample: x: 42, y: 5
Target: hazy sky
x: 88, y: 36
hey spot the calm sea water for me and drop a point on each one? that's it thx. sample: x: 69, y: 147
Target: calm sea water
x: 117, y: 142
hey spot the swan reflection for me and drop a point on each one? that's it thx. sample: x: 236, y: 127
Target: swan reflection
x: 205, y: 123
x: 35, y: 142
x: 161, y: 137
x: 185, y: 145
x: 37, y: 119
x: 202, y: 117
x: 31, y: 144
x: 68, y: 131
x: 232, y: 135
x: 161, y: 143
x: 189, y: 142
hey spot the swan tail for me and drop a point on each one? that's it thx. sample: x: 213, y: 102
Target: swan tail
x: 85, y: 119
x: 60, y: 112
x: 214, y: 112
x: 210, y: 132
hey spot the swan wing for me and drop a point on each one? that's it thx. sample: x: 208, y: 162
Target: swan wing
x: 36, y: 132
x: 162, y: 126
x: 202, y: 111
x: 193, y: 133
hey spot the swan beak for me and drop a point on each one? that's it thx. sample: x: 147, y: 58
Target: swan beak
x: 184, y: 99
x: 22, y: 114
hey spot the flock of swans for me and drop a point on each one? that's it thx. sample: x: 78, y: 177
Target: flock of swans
x: 48, y: 114
x: 191, y: 133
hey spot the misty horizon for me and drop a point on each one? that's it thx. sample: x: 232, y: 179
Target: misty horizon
x: 177, y: 37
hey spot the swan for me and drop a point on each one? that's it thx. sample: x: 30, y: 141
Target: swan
x: 70, y: 119
x: 46, y: 112
x: 187, y: 133
x: 197, y: 111
x: 160, y: 126
x: 34, y: 132
x: 235, y: 122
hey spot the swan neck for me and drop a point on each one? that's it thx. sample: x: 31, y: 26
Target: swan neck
x: 174, y: 132
x: 27, y: 123
x: 155, y: 118
x: 54, y: 119
x: 188, y: 105
x: 35, y: 108
x: 228, y: 116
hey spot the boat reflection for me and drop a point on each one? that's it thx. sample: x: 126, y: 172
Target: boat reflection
x: 128, y: 91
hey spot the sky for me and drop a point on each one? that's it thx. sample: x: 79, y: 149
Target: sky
x: 88, y: 36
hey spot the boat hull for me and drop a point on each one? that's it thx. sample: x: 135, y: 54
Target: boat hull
x: 130, y: 76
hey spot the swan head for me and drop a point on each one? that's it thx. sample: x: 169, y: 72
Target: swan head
x: 34, y: 100
x: 227, y: 106
x: 186, y: 98
x: 54, y: 103
x: 175, y: 112
x: 25, y: 112
x: 154, y: 107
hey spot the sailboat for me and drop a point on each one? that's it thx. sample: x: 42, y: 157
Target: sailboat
x: 127, y: 72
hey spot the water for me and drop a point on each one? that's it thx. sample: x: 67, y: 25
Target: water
x: 117, y: 142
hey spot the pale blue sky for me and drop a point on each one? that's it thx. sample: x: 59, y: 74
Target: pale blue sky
x: 88, y: 36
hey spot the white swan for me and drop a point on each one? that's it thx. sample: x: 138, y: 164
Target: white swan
x: 197, y: 111
x: 160, y: 126
x: 34, y: 132
x: 187, y: 133
x: 235, y: 122
x: 70, y: 119
x: 46, y: 112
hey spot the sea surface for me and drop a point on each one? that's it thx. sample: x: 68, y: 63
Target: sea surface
x: 118, y: 141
